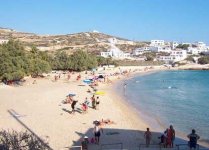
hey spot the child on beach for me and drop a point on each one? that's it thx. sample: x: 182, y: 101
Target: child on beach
x: 163, y: 139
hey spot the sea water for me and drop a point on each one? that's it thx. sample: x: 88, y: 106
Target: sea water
x: 180, y: 98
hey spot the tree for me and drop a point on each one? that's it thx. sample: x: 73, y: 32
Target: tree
x: 39, y: 66
x: 15, y: 62
x: 61, y: 61
x: 150, y: 56
x: 21, y: 141
x: 183, y: 46
x: 203, y: 60
x: 101, y: 60
x: 82, y: 61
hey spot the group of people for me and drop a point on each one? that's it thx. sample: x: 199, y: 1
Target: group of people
x: 95, y: 101
x: 168, y: 137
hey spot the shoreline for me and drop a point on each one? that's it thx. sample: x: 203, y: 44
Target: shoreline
x: 140, y: 114
x: 41, y: 107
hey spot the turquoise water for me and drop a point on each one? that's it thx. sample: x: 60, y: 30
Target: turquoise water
x: 180, y: 98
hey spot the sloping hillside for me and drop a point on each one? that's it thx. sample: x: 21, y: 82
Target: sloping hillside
x: 91, y: 41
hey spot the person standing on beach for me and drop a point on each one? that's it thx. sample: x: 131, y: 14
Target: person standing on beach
x: 193, y: 137
x: 147, y: 136
x: 73, y: 106
x: 97, y: 132
x: 97, y: 102
x: 171, y: 133
x: 124, y: 88
x: 93, y: 102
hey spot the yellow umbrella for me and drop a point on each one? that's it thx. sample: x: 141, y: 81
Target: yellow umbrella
x: 99, y: 93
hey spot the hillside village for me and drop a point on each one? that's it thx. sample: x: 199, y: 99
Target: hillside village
x: 108, y: 46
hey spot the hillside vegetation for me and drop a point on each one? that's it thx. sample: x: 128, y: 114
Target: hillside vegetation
x: 90, y: 41
x: 16, y: 62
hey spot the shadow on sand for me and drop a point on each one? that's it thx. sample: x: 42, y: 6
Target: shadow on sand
x: 127, y: 139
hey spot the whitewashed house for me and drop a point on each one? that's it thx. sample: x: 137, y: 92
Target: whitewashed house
x: 160, y: 49
x: 198, y: 48
x: 140, y: 51
x: 106, y: 54
x: 3, y: 41
x: 175, y: 56
x: 112, y: 40
x: 157, y: 43
x: 174, y: 45
x: 114, y: 51
x: 195, y: 50
x: 200, y: 45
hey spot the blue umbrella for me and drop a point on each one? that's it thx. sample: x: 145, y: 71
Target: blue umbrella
x: 88, y: 81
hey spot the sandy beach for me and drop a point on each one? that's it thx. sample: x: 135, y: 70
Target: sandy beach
x: 39, y: 109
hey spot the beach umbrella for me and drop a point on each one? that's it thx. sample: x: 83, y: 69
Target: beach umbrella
x: 100, y: 76
x: 88, y: 81
x: 71, y: 95
x: 99, y: 93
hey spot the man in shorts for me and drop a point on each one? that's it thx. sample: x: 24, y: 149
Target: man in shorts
x: 193, y: 137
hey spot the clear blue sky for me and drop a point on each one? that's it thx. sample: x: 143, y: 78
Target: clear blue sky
x: 180, y: 20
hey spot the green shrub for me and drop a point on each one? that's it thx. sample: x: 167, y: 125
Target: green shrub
x: 203, y: 60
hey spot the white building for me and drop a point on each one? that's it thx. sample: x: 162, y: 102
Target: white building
x: 114, y: 51
x: 107, y: 54
x: 157, y: 43
x: 175, y: 56
x: 200, y: 45
x: 196, y: 50
x: 140, y: 51
x: 3, y: 41
x: 174, y: 45
x: 112, y: 40
x: 160, y: 49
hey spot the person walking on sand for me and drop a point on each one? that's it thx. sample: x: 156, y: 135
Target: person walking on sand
x: 147, y: 136
x: 193, y: 137
x: 97, y: 132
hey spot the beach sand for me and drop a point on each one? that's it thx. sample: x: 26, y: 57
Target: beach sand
x: 39, y: 109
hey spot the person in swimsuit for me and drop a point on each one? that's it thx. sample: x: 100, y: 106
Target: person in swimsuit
x: 172, y: 132
x: 193, y: 137
x: 97, y: 132
x: 73, y: 106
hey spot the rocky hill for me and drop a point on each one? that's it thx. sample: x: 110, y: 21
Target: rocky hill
x: 94, y: 42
